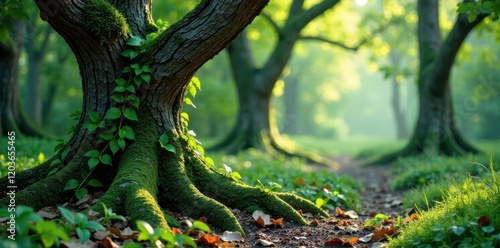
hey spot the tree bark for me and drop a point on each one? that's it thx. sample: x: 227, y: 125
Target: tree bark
x: 436, y: 132
x: 144, y: 178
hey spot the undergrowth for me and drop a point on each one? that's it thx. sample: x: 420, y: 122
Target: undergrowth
x: 468, y: 216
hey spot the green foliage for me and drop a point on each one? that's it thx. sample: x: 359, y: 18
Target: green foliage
x: 475, y: 8
x: 416, y: 171
x: 10, y: 10
x: 156, y: 235
x: 258, y: 168
x: 104, y: 21
x: 377, y: 220
x: 468, y: 216
x: 78, y: 223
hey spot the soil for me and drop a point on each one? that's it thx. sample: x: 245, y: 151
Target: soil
x: 376, y: 198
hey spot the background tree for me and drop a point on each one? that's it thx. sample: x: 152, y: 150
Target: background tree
x: 133, y: 89
x: 256, y: 122
x: 436, y: 131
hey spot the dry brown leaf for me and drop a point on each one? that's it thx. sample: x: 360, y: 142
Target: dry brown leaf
x: 232, y: 236
x: 278, y: 222
x: 203, y: 219
x: 265, y: 218
x: 176, y: 230
x: 100, y: 235
x: 260, y: 222
x: 413, y: 217
x: 47, y: 212
x: 91, y: 214
x: 328, y: 187
x: 127, y: 233
x: 76, y: 243
x: 314, y: 223
x: 300, y: 181
x: 300, y: 212
x: 483, y: 221
x: 339, y: 211
x: 266, y: 243
x: 210, y: 240
x: 107, y: 243
x: 352, y: 240
x: 85, y: 199
x: 226, y: 245
x: 334, y: 242
x: 383, y: 232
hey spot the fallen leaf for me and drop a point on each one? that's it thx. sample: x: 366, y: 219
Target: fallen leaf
x: 100, y: 235
x: 366, y: 238
x: 334, y: 242
x: 413, y: 217
x: 314, y: 223
x: 339, y: 211
x: 232, y: 236
x: 92, y: 215
x: 483, y: 220
x: 210, y: 240
x: 261, y: 218
x: 383, y: 232
x: 127, y: 233
x: 379, y: 245
x: 266, y: 243
x: 47, y: 212
x: 346, y: 214
x: 107, y: 243
x: 300, y: 212
x: 226, y: 245
x: 300, y: 181
x: 203, y: 219
x: 176, y: 230
x: 352, y: 230
x: 278, y: 222
x: 76, y: 243
x: 352, y: 240
x: 85, y: 199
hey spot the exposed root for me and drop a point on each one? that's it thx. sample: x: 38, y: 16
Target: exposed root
x: 240, y: 196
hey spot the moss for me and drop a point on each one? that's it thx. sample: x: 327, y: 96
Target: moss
x: 104, y: 21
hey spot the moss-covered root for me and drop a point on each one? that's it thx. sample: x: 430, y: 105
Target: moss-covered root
x: 134, y: 189
x: 241, y: 196
x: 178, y: 192
x: 47, y: 191
x: 300, y: 203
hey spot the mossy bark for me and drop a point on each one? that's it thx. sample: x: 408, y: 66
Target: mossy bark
x: 144, y: 180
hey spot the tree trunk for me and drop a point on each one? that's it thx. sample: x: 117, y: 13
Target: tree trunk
x: 435, y: 132
x: 399, y: 115
x: 256, y: 126
x: 144, y: 179
x: 12, y: 117
x: 291, y: 95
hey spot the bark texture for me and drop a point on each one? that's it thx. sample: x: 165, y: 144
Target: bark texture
x: 435, y: 132
x: 144, y: 179
x: 256, y: 126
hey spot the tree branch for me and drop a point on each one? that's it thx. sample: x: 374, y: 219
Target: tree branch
x: 300, y: 19
x: 275, y: 26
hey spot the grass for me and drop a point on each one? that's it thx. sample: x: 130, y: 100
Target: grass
x: 468, y: 216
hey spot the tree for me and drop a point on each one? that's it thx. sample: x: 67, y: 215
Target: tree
x: 256, y: 126
x: 435, y: 131
x: 134, y: 76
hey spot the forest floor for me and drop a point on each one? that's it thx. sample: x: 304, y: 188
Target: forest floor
x: 336, y: 231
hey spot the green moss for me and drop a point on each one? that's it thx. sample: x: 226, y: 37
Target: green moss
x: 104, y: 21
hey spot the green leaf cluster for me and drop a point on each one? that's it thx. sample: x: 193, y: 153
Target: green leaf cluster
x: 10, y: 10
x: 155, y: 236
x: 475, y: 8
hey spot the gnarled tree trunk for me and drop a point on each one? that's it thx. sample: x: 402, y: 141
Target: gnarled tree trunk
x: 436, y: 132
x: 144, y: 179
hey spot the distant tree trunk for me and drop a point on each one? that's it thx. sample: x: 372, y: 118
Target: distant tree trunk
x: 435, y: 131
x: 145, y: 179
x: 50, y: 93
x: 399, y: 115
x: 36, y: 53
x: 256, y: 126
x: 291, y: 95
x: 12, y: 117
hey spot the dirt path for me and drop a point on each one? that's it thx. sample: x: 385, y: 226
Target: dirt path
x: 376, y: 198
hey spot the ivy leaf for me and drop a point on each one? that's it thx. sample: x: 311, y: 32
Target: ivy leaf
x: 94, y: 117
x: 146, y: 77
x: 121, y: 143
x: 170, y: 148
x: 127, y: 69
x: 94, y: 183
x: 133, y: 54
x: 472, y: 16
x: 120, y: 88
x: 92, y: 154
x: 134, y: 100
x: 126, y: 53
x: 134, y: 41
x: 138, y: 81
x: 71, y: 184
x: 128, y: 132
x: 105, y: 159
x: 164, y: 140
x: 113, y: 113
x: 93, y: 162
x: 196, y: 82
x: 130, y: 114
x: 113, y: 145
x: 118, y: 98
x: 52, y: 171
x: 82, y: 192
x: 188, y: 101
x: 131, y: 89
x: 107, y: 136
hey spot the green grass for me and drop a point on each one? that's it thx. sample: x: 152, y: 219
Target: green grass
x: 293, y: 176
x: 460, y: 219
